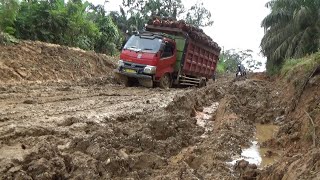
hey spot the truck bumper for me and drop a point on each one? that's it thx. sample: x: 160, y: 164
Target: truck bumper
x: 133, y: 75
x: 144, y: 80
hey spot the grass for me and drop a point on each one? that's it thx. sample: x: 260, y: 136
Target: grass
x: 293, y: 67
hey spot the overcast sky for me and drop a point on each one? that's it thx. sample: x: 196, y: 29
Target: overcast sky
x: 236, y: 22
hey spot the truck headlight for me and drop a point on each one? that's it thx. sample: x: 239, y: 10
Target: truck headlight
x: 120, y: 63
x: 150, y: 70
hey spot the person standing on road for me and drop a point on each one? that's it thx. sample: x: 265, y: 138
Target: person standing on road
x: 241, y: 70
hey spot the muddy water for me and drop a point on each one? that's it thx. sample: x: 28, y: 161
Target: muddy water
x: 257, y: 155
x: 265, y: 133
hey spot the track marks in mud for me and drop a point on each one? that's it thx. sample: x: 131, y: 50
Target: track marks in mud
x: 153, y: 135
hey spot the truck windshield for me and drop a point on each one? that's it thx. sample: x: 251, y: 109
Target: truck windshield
x: 137, y: 43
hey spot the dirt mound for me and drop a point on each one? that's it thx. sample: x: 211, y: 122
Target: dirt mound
x: 38, y: 61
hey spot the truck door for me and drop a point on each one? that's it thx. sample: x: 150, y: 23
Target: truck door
x: 167, y: 59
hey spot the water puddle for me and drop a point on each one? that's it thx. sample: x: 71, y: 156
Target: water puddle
x: 262, y: 157
x: 204, y: 118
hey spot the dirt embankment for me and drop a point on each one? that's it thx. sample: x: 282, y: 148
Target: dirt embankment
x: 39, y: 62
x: 299, y: 130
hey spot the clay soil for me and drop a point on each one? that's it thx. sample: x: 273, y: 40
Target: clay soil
x: 82, y: 124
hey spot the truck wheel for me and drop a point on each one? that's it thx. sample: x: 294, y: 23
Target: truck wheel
x: 202, y: 83
x: 165, y: 81
x: 129, y: 82
x: 146, y: 83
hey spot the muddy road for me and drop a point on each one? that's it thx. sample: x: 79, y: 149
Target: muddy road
x: 48, y: 105
x: 63, y: 115
x: 107, y: 131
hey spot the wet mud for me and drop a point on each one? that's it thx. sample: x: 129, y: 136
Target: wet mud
x: 63, y: 115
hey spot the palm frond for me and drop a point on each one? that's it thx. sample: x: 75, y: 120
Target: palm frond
x: 275, y: 17
x: 304, y: 41
x: 292, y: 47
x: 292, y: 29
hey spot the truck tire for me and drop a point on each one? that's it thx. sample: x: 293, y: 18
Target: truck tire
x: 129, y: 82
x: 165, y: 81
x: 202, y: 83
x: 146, y: 83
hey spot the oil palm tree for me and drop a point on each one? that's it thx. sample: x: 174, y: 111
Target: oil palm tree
x: 130, y: 21
x: 292, y: 29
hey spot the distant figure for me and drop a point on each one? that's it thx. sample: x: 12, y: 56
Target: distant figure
x: 241, y: 70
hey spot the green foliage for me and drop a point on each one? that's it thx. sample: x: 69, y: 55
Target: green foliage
x: 81, y: 24
x: 128, y: 22
x: 8, y: 13
x: 253, y: 64
x: 41, y: 20
x: 162, y: 8
x: 81, y: 31
x: 231, y: 58
x: 199, y: 16
x: 221, y: 67
x: 6, y: 39
x: 110, y: 37
x: 305, y: 65
x: 75, y: 23
x: 292, y: 31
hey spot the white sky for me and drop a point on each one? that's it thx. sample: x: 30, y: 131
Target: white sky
x: 236, y: 22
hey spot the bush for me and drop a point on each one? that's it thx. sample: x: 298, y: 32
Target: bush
x: 6, y: 39
x: 220, y: 68
x: 305, y: 65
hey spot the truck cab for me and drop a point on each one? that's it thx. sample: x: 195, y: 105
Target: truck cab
x: 165, y: 56
x: 148, y: 58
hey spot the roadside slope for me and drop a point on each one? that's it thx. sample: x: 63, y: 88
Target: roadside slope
x: 299, y: 131
x: 38, y: 61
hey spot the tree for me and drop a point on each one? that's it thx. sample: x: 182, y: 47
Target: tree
x: 75, y: 23
x: 82, y: 32
x: 253, y: 64
x: 292, y: 30
x: 162, y: 8
x: 199, y: 16
x: 8, y: 13
x: 41, y: 20
x: 128, y: 22
x: 110, y: 37
x: 231, y: 58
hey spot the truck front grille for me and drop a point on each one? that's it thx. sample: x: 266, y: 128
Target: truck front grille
x: 134, y: 66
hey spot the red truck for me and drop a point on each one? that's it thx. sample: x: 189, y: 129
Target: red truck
x: 166, y: 56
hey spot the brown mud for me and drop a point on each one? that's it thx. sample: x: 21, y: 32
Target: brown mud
x: 30, y: 61
x: 95, y: 128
